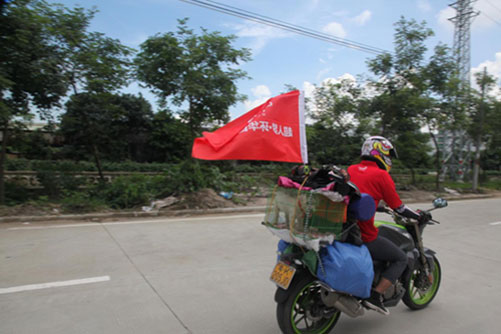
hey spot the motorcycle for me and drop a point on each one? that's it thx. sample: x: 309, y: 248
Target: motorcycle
x: 307, y: 305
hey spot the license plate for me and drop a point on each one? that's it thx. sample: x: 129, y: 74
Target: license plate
x: 282, y: 275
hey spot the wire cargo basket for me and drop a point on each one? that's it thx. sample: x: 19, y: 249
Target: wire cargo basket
x: 307, y: 213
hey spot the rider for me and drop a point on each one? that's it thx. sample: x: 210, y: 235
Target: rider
x: 372, y: 177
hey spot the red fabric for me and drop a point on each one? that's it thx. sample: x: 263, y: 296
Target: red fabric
x: 270, y: 132
x: 372, y: 180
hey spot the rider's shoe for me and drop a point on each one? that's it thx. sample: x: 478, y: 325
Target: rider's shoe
x: 375, y: 302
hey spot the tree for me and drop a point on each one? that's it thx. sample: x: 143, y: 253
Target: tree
x: 86, y: 123
x: 45, y: 49
x: 91, y: 61
x: 399, y: 84
x: 480, y: 116
x: 170, y: 139
x: 130, y: 128
x: 193, y: 71
x: 491, y: 157
x: 442, y: 87
x: 30, y: 71
x: 337, y: 134
x: 116, y: 126
x: 400, y: 97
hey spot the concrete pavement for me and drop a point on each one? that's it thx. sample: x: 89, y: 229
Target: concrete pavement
x: 210, y: 275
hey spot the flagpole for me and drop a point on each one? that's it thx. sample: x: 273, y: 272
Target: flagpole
x: 302, y: 128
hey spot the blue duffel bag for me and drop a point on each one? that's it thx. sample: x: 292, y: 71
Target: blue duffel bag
x: 347, y: 268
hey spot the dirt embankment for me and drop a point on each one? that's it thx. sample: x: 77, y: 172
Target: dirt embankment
x: 209, y: 199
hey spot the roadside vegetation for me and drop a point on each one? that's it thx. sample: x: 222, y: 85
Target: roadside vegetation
x: 49, y: 55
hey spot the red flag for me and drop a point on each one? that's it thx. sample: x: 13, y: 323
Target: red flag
x: 274, y: 131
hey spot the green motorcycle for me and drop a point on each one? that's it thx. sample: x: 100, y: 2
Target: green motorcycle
x: 305, y: 305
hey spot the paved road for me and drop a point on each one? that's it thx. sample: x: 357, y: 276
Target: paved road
x: 210, y: 275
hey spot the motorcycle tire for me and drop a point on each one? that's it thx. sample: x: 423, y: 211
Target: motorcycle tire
x: 417, y: 298
x: 303, y: 312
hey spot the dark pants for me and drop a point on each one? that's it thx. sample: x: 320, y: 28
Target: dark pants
x: 382, y: 249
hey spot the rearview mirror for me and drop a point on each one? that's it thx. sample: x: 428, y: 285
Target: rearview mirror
x: 439, y: 203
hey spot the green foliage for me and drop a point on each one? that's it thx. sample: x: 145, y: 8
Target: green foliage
x: 81, y: 202
x: 45, y: 49
x: 127, y: 191
x: 169, y: 139
x: 124, y: 166
x: 57, y: 181
x: 15, y: 193
x: 326, y: 145
x: 114, y: 126
x: 139, y: 189
x: 92, y: 61
x: 29, y: 68
x: 337, y: 134
x: 184, y: 67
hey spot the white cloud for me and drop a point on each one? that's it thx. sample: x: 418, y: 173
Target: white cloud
x: 309, y: 95
x: 490, y: 14
x: 259, y: 34
x: 322, y: 73
x: 493, y: 68
x: 424, y: 5
x: 443, y: 18
x: 340, y: 13
x: 261, y: 91
x: 261, y: 94
x: 363, y: 17
x: 335, y: 28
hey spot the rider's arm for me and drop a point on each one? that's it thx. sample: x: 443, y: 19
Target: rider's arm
x: 393, y: 200
x: 407, y: 212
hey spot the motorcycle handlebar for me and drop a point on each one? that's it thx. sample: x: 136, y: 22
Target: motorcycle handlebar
x: 387, y: 210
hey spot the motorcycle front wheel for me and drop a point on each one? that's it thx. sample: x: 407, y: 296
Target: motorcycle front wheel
x: 422, y: 288
x: 303, y: 312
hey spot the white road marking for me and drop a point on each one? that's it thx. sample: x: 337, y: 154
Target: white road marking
x: 170, y: 220
x: 495, y: 223
x: 54, y: 284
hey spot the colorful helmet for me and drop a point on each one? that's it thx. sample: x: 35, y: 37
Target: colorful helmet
x: 381, y: 149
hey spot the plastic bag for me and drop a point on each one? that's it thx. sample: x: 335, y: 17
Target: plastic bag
x: 347, y: 268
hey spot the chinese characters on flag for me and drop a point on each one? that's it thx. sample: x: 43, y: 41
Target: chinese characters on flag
x: 273, y: 131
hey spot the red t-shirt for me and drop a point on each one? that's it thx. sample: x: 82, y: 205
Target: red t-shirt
x: 372, y: 180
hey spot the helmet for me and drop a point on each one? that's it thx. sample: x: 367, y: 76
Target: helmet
x: 381, y: 149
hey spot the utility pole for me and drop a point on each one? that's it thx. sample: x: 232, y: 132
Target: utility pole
x: 456, y: 143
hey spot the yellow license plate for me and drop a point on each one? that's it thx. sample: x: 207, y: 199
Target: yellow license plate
x: 282, y: 275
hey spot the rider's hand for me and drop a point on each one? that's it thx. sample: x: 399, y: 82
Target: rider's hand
x: 424, y: 216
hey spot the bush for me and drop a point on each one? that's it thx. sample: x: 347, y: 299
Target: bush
x: 16, y: 193
x: 135, y: 190
x: 57, y: 179
x: 127, y: 166
x: 81, y: 202
x: 60, y: 182
x: 125, y: 191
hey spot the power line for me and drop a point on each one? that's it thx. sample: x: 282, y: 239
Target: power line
x: 490, y: 3
x: 234, y: 11
x: 490, y: 18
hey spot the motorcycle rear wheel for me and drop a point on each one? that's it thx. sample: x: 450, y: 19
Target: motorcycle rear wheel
x: 416, y: 297
x: 303, y: 311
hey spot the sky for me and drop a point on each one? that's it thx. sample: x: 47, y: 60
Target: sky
x: 282, y: 58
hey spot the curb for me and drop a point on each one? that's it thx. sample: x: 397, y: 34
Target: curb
x: 454, y: 198
x: 129, y: 214
x: 141, y: 214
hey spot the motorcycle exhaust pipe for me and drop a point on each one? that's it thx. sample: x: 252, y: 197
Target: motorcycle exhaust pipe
x: 344, y: 303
